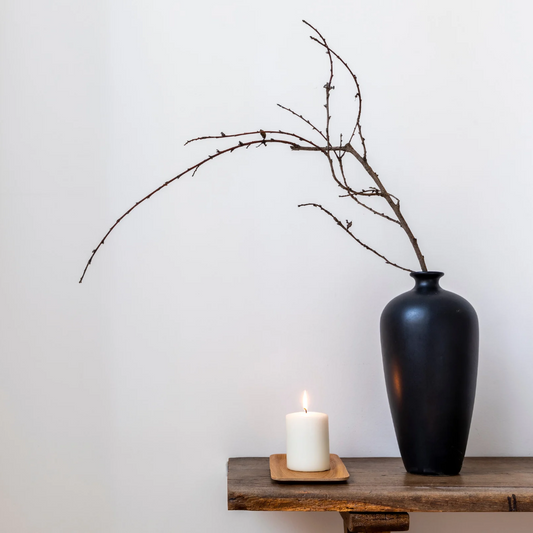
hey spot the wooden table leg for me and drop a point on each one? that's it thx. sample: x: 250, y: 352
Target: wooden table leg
x: 375, y: 522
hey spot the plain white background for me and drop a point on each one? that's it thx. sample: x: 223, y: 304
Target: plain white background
x: 215, y: 304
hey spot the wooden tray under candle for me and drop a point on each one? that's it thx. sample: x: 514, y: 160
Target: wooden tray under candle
x: 280, y: 472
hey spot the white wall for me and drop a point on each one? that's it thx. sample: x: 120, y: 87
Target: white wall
x: 214, y: 305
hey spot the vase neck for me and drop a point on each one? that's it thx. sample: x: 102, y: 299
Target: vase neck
x: 427, y: 281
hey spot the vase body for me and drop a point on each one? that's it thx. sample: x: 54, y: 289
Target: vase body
x: 429, y: 342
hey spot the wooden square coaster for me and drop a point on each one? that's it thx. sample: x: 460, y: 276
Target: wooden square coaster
x: 280, y: 472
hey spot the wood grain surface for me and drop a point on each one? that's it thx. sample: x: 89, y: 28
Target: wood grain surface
x: 279, y: 471
x: 486, y: 484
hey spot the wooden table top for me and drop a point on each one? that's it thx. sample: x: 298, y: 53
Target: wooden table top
x: 486, y: 484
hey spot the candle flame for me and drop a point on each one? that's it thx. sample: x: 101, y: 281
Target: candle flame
x: 305, y: 402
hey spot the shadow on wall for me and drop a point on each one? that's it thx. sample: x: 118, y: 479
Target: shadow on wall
x: 494, y: 428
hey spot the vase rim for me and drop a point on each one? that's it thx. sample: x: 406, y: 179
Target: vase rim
x: 430, y: 274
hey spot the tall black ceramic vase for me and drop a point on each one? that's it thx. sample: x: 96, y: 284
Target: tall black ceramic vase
x: 429, y: 341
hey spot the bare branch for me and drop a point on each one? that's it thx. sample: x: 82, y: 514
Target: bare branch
x: 395, y: 205
x: 333, y: 154
x: 350, y: 194
x: 298, y: 148
x: 362, y: 204
x: 390, y: 198
x: 192, y: 169
x: 357, y: 126
x: 262, y: 133
x: 368, y: 192
x: 304, y: 119
x: 346, y: 228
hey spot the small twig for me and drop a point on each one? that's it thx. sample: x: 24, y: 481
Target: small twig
x: 340, y: 154
x: 304, y: 119
x: 347, y: 230
x: 299, y: 148
x: 362, y: 204
x: 367, y: 192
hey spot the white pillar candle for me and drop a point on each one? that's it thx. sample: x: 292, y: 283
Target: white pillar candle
x: 307, y: 441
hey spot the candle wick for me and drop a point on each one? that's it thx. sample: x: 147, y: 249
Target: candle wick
x: 305, y: 409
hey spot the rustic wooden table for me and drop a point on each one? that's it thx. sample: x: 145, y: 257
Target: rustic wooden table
x: 379, y: 493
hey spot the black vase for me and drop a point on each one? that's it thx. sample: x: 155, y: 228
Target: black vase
x: 429, y: 341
